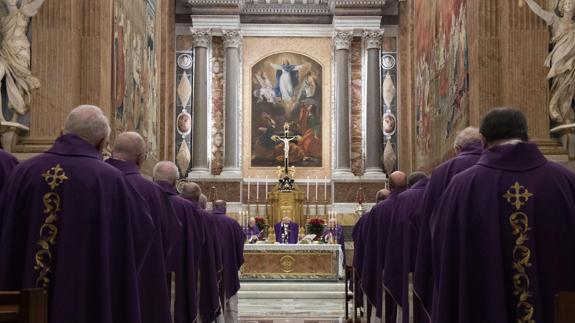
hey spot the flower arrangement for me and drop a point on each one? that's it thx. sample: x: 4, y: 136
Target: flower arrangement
x: 315, y: 226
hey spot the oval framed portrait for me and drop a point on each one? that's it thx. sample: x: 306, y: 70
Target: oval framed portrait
x: 184, y: 123
x: 389, y: 125
x: 387, y: 62
x: 185, y: 61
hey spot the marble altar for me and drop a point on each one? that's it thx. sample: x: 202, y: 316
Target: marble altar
x: 292, y: 262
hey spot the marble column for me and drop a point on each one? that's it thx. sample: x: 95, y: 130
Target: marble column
x: 342, y: 44
x: 232, y: 42
x: 374, y: 136
x: 201, y: 39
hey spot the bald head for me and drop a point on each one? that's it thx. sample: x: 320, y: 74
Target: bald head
x: 166, y: 171
x: 89, y: 123
x: 415, y: 177
x: 466, y: 136
x: 220, y: 205
x: 381, y: 195
x: 191, y: 191
x: 203, y: 202
x: 130, y: 146
x: 397, y: 181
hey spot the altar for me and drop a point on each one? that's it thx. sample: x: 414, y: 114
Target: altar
x: 292, y: 262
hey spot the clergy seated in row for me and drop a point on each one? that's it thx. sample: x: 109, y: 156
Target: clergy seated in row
x: 252, y: 232
x: 74, y: 225
x: 286, y: 231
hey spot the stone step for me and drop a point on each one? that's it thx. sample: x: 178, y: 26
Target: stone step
x: 292, y: 286
x: 291, y: 295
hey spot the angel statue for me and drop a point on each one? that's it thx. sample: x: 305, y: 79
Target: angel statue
x: 561, y: 60
x: 15, y: 53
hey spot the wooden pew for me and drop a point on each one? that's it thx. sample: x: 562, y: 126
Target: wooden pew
x: 565, y: 307
x: 25, y: 306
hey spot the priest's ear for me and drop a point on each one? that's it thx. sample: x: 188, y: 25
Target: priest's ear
x: 103, y: 144
x: 141, y: 159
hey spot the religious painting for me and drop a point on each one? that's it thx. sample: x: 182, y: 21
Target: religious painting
x: 441, y: 78
x: 135, y: 71
x: 286, y: 88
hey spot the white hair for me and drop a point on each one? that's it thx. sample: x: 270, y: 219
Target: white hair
x: 466, y: 136
x: 89, y: 123
x: 166, y: 171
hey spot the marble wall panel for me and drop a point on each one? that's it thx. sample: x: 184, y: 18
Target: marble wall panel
x: 217, y: 149
x: 347, y: 192
x: 356, y: 108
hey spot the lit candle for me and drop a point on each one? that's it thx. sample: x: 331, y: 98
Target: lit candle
x: 258, y: 189
x: 316, y: 181
x: 248, y: 189
x: 307, y: 189
x: 325, y: 189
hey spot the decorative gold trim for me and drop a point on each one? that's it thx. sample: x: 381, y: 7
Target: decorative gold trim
x: 518, y: 195
x: 287, y: 263
x: 48, y: 230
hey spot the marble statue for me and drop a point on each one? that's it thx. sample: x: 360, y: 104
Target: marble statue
x: 561, y: 60
x: 15, y: 53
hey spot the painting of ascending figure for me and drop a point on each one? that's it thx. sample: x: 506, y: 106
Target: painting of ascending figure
x: 286, y: 88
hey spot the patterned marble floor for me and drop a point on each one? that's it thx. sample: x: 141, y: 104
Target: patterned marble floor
x: 291, y: 310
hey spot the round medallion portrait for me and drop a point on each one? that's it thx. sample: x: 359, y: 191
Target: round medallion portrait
x: 185, y: 61
x: 389, y: 124
x: 387, y: 62
x: 184, y: 121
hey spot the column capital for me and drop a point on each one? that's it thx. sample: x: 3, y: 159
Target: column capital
x: 342, y: 39
x: 372, y: 38
x: 201, y: 37
x: 232, y: 38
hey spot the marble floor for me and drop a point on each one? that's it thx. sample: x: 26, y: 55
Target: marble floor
x: 291, y: 310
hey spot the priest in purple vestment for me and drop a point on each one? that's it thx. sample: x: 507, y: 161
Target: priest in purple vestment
x: 377, y: 227
x: 503, y: 234
x: 398, y: 257
x: 358, y: 236
x: 333, y: 233
x: 184, y: 259
x: 286, y: 231
x: 128, y: 155
x: 7, y: 163
x: 73, y: 226
x: 211, y: 264
x: 233, y: 258
x: 469, y: 148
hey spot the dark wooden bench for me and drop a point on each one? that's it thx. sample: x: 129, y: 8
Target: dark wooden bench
x: 565, y: 307
x: 25, y: 306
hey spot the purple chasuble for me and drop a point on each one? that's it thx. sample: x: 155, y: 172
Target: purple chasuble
x: 252, y: 231
x: 358, y: 242
x: 185, y: 256
x: 440, y: 178
x: 7, y: 163
x: 293, y: 232
x: 398, y: 256
x: 72, y: 225
x: 211, y: 271
x: 503, y: 239
x: 376, y: 228
x: 232, y: 238
x: 337, y: 234
x: 152, y: 281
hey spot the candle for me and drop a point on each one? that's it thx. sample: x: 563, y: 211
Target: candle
x: 316, y: 188
x: 266, y: 188
x: 307, y: 189
x: 258, y: 189
x: 325, y: 189
x: 248, y: 189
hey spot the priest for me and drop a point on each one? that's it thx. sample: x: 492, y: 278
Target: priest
x: 333, y: 233
x: 211, y: 258
x: 7, y: 163
x: 286, y: 231
x: 399, y: 256
x: 72, y: 226
x: 252, y: 232
x: 377, y: 226
x: 468, y: 148
x: 233, y: 258
x: 503, y: 237
x: 184, y: 259
x: 128, y: 155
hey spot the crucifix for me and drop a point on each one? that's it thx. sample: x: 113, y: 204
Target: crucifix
x: 286, y: 139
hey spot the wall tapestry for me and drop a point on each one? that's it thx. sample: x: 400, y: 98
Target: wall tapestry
x: 441, y: 78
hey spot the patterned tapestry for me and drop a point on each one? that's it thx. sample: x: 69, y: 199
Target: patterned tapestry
x: 287, y: 88
x: 135, y: 71
x: 441, y: 77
